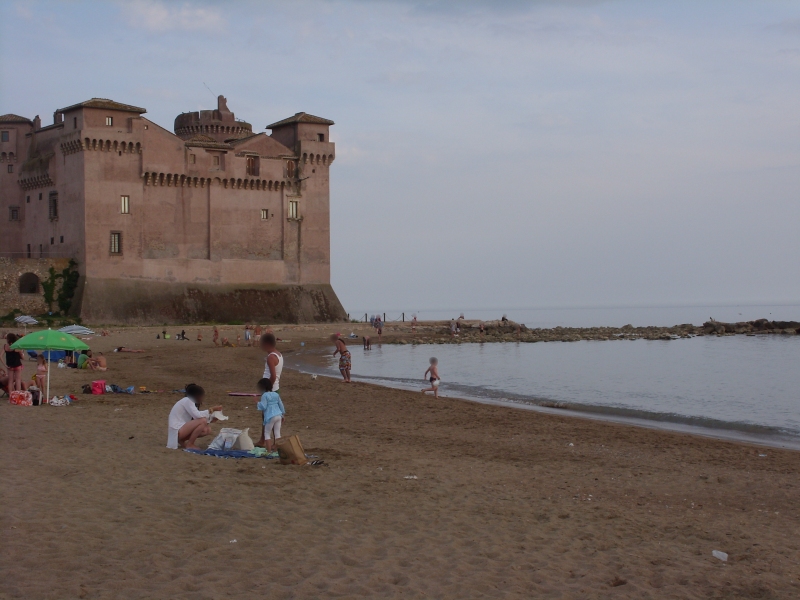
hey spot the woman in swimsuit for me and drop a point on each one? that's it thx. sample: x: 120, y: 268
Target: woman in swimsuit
x: 345, y: 362
x: 41, y: 371
x: 14, y: 364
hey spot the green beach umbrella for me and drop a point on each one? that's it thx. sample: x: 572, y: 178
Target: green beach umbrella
x: 49, y: 340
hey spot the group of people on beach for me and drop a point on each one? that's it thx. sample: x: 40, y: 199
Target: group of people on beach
x: 11, y: 375
x: 346, y: 363
x: 187, y: 422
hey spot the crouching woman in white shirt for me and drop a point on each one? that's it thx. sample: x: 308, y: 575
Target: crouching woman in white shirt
x: 187, y: 422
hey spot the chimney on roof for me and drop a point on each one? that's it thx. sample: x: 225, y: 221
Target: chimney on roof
x: 37, y: 123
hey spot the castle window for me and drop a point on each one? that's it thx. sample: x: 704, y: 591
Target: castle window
x: 264, y: 214
x: 125, y: 205
x: 4, y: 135
x: 116, y: 242
x: 290, y: 169
x: 74, y: 122
x: 13, y: 213
x: 27, y: 199
x: 40, y: 195
x: 61, y: 241
x: 192, y: 159
x: 216, y: 160
x: 321, y: 137
x: 29, y: 250
x: 252, y: 166
x: 52, y: 241
x: 29, y: 282
x: 53, y: 209
x: 10, y: 168
x: 294, y: 209
x: 109, y: 121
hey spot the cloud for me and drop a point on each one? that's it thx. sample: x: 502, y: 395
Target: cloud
x: 157, y: 16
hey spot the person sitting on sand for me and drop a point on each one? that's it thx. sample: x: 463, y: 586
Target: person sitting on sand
x: 99, y: 363
x: 83, y: 359
x: 274, y: 414
x: 215, y: 337
x: 433, y: 370
x: 345, y: 359
x: 41, y: 371
x: 125, y: 349
x: 187, y: 422
x: 226, y: 343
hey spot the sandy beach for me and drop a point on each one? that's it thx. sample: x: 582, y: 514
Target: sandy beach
x: 419, y: 498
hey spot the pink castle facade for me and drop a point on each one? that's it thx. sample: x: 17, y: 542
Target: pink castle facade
x: 211, y: 222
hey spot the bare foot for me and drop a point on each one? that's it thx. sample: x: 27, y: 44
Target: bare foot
x: 192, y: 447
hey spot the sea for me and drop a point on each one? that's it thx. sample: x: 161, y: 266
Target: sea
x: 732, y: 387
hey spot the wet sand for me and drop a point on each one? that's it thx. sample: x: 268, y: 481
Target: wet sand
x: 505, y: 503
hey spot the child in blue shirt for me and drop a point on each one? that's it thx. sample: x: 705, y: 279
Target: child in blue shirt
x: 274, y: 413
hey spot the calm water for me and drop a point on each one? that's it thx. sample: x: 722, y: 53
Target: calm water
x: 746, y: 387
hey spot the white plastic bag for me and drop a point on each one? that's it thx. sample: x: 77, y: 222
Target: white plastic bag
x: 244, y: 442
x: 225, y: 439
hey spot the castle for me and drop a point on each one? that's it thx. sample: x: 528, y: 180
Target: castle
x: 209, y: 223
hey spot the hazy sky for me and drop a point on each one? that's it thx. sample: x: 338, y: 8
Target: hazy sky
x: 489, y: 153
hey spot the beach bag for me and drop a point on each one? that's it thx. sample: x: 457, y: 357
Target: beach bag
x: 290, y: 451
x: 36, y: 395
x: 244, y: 442
x: 20, y: 398
x: 87, y: 388
x: 98, y: 387
x: 56, y: 401
x: 225, y: 439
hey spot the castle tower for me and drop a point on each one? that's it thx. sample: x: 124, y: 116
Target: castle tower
x: 220, y: 124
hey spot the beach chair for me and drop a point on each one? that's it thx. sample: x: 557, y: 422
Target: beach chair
x: 32, y: 355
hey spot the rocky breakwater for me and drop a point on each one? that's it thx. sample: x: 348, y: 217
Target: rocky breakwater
x: 752, y: 327
x: 509, y: 331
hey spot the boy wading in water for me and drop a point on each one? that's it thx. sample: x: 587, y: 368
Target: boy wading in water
x: 345, y: 362
x: 433, y: 370
x: 272, y: 370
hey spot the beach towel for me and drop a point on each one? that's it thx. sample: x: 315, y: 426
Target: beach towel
x: 20, y: 398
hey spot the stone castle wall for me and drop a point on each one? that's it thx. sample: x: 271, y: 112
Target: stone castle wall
x: 12, y: 269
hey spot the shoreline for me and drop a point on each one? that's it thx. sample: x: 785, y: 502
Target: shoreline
x: 768, y: 439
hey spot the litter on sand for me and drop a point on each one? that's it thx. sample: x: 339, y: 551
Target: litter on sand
x: 720, y: 555
x: 410, y: 477
x: 243, y: 394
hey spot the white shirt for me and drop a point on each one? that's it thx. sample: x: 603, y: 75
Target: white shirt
x: 184, y: 411
x: 278, y: 368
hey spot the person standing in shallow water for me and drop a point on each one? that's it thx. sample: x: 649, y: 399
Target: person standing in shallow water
x: 345, y: 359
x: 433, y: 370
x: 273, y: 367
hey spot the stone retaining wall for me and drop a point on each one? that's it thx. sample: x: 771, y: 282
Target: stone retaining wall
x: 12, y: 269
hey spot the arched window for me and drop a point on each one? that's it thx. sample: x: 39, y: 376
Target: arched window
x: 29, y: 283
